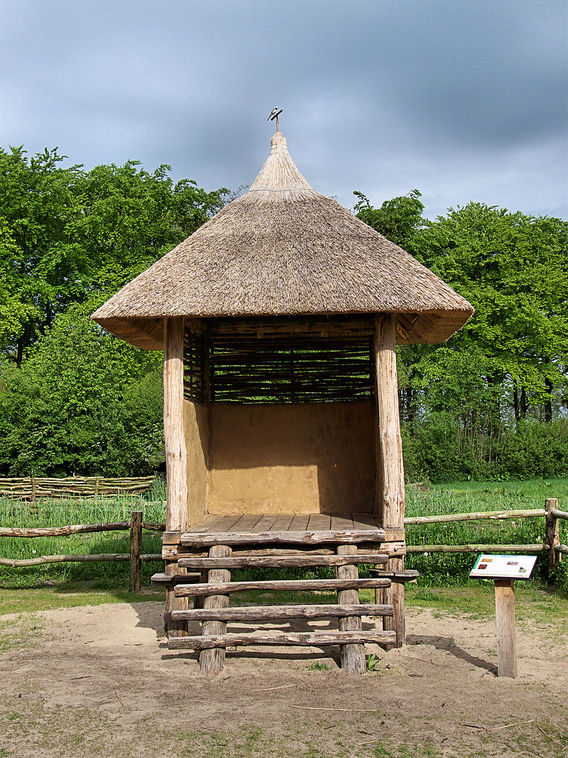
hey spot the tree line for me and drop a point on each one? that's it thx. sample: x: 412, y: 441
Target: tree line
x: 491, y: 402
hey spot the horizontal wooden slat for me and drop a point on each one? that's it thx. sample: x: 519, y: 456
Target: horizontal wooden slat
x: 161, y: 578
x: 559, y: 514
x: 474, y: 516
x: 88, y: 558
x: 282, y: 561
x: 62, y: 531
x: 349, y: 536
x: 278, y: 612
x: 408, y: 575
x: 288, y: 585
x: 315, y: 639
x: 533, y: 547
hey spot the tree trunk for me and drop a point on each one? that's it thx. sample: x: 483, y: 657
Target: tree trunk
x: 516, y: 403
x: 524, y: 403
x: 548, y: 403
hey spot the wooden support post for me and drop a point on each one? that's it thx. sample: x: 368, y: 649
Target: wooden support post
x: 505, y: 623
x: 390, y: 492
x: 552, y: 539
x: 135, y: 550
x: 176, y: 455
x: 211, y: 661
x: 351, y: 657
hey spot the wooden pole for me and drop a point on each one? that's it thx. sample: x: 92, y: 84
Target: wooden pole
x: 552, y: 538
x: 351, y: 657
x: 212, y: 661
x: 176, y: 456
x: 135, y: 550
x: 390, y: 492
x: 505, y: 623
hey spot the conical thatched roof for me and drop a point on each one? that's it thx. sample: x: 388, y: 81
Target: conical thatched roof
x: 283, y: 249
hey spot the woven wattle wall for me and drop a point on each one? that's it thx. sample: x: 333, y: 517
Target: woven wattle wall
x: 279, y: 369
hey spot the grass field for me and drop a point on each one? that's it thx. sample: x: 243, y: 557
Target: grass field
x: 435, y: 569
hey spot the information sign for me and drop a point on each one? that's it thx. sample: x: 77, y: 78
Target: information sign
x: 503, y: 567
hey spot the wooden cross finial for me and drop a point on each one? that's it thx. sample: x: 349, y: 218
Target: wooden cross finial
x: 274, y: 113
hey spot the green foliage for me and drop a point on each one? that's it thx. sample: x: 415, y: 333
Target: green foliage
x: 471, y: 408
x: 83, y: 402
x: 66, y: 232
x: 398, y: 219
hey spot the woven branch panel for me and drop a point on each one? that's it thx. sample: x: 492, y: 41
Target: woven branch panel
x: 283, y: 368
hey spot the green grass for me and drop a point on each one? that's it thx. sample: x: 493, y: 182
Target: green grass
x: 77, y: 511
x: 468, y: 497
x: 435, y: 569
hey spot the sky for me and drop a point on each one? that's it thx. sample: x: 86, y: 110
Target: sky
x: 461, y: 99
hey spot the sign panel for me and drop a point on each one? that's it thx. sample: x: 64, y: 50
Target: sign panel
x: 503, y: 567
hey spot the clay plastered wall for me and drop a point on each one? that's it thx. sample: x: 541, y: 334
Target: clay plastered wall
x: 196, y: 440
x: 292, y: 458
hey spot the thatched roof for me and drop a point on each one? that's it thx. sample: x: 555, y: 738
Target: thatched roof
x: 284, y: 249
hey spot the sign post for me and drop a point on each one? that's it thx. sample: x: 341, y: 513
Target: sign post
x: 504, y: 570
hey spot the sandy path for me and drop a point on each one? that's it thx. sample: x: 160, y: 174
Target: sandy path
x: 94, y: 681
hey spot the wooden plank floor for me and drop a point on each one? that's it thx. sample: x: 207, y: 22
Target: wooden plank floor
x: 265, y: 522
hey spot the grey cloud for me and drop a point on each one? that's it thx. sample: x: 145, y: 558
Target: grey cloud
x: 461, y: 99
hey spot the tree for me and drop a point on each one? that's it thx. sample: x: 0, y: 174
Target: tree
x: 83, y: 402
x: 513, y: 268
x: 70, y: 232
x: 398, y: 219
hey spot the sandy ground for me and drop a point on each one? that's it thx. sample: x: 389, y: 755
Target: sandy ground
x: 95, y: 681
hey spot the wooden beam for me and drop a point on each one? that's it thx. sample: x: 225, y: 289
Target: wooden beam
x: 282, y: 561
x: 347, y: 536
x: 279, y: 612
x: 292, y: 638
x: 212, y: 660
x: 506, y: 631
x: 351, y: 656
x: 552, y: 536
x: 390, y: 494
x: 287, y: 585
x: 135, y: 550
x: 176, y: 454
x: 390, y: 468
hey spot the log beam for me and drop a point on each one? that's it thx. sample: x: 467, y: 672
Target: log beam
x: 390, y: 494
x: 315, y: 639
x: 352, y: 656
x: 212, y: 660
x: 176, y: 455
x: 281, y: 612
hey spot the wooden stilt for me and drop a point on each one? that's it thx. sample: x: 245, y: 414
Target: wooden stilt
x: 352, y: 657
x: 390, y: 468
x: 176, y: 455
x: 506, y: 631
x: 212, y: 660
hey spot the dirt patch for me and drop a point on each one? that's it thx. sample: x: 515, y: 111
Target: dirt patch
x: 94, y: 681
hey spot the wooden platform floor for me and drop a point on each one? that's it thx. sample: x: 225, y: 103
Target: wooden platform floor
x: 269, y: 522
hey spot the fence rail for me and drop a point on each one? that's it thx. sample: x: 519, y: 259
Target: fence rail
x: 551, y: 545
x: 32, y: 487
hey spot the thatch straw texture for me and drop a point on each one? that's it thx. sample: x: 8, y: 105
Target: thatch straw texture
x: 284, y: 249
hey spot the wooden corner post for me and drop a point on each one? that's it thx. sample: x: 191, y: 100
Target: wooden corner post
x: 390, y: 493
x: 176, y: 457
x: 552, y: 539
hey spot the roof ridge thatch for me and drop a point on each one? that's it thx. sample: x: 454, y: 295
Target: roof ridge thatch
x: 283, y: 249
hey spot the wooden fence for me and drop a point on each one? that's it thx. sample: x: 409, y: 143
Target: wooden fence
x: 135, y: 556
x: 32, y: 487
x: 551, y: 544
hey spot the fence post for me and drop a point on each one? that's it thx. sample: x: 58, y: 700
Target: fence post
x: 552, y: 538
x: 135, y: 550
